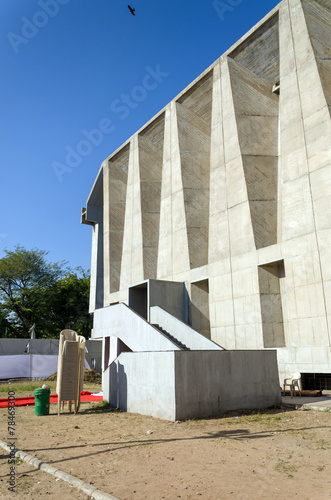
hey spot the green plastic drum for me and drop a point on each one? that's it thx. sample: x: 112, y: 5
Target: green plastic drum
x: 41, y: 398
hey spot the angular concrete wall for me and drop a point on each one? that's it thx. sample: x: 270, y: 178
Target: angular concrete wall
x: 180, y: 331
x: 193, y: 384
x: 121, y: 322
x: 230, y: 179
x: 134, y: 389
x: 209, y: 383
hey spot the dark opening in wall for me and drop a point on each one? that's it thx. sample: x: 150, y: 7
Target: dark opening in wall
x: 316, y: 381
x: 271, y: 304
x: 106, y: 352
x: 138, y: 299
x: 199, y: 308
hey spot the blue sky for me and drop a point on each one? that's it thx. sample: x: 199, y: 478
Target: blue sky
x: 74, y: 86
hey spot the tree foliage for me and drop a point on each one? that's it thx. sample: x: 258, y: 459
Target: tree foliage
x: 34, y: 291
x: 69, y: 303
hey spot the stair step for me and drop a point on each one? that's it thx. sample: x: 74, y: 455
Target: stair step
x: 172, y: 338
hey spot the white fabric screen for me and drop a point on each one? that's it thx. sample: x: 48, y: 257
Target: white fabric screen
x: 28, y: 365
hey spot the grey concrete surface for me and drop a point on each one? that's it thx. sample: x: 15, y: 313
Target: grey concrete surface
x: 143, y: 382
x: 209, y: 383
x: 181, y: 331
x: 122, y: 322
x: 122, y: 329
x: 180, y: 385
x: 229, y: 186
x: 321, y: 403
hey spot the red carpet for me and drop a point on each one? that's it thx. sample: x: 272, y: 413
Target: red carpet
x: 84, y: 397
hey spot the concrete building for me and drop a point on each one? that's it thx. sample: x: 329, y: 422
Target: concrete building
x: 226, y: 192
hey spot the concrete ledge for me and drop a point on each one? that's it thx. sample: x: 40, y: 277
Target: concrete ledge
x: 87, y: 488
x: 320, y: 403
x: 316, y: 407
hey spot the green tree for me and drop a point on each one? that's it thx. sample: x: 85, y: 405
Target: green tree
x: 6, y: 329
x: 69, y: 303
x: 34, y: 291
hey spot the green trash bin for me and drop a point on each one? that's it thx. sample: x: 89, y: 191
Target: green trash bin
x: 41, y: 398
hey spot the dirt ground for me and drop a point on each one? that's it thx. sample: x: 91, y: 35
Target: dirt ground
x: 279, y: 454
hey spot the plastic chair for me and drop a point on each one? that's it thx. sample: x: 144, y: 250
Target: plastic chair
x: 70, y: 372
x: 293, y: 382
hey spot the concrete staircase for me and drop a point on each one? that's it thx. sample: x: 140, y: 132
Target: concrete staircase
x: 177, y: 342
x: 163, y: 332
x: 180, y: 333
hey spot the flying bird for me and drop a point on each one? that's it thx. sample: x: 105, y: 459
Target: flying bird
x: 131, y: 10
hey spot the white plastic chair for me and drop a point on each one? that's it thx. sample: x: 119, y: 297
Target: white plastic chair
x: 293, y: 382
x: 70, y: 372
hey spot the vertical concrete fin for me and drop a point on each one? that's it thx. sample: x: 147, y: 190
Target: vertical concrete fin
x: 296, y: 204
x: 239, y: 217
x: 151, y: 142
x: 311, y: 36
x: 219, y: 247
x: 312, y: 44
x: 180, y: 249
x: 94, y: 216
x: 132, y: 269
x: 164, y: 261
x: 318, y: 21
x: 106, y: 249
x: 194, y: 142
x: 115, y: 184
x: 173, y: 254
x: 96, y: 281
x: 220, y: 287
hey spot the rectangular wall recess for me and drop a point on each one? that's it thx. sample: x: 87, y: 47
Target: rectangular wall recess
x: 199, y: 308
x: 271, y: 304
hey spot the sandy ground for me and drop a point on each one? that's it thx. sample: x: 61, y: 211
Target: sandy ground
x: 275, y: 455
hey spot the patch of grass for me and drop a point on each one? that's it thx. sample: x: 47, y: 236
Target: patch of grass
x: 323, y: 444
x: 285, y: 468
x: 320, y: 468
x: 92, y: 387
x: 263, y: 418
x: 100, y: 407
x: 23, y: 389
x: 26, y: 388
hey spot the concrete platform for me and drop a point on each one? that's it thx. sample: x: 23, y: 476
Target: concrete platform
x: 321, y: 403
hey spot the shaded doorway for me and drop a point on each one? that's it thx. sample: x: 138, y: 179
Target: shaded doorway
x: 199, y: 307
x: 138, y: 299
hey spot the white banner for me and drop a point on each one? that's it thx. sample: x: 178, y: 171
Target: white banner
x: 28, y: 366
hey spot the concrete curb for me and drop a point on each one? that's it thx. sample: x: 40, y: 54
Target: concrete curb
x: 87, y: 488
x: 311, y: 406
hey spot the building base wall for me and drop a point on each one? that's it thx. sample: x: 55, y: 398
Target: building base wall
x: 180, y: 385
